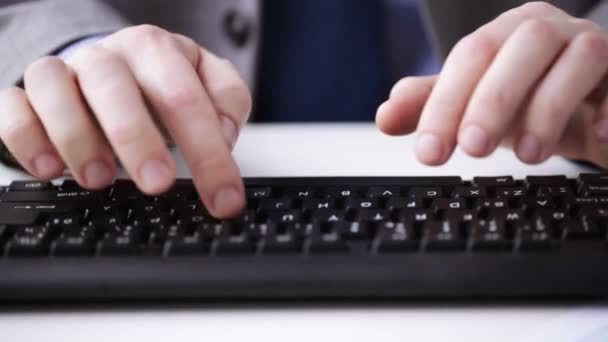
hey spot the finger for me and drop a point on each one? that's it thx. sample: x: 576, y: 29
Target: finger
x: 573, y: 77
x: 462, y: 71
x: 172, y: 85
x: 68, y: 122
x: 514, y: 73
x: 24, y: 136
x: 228, y: 92
x: 400, y: 114
x: 114, y: 97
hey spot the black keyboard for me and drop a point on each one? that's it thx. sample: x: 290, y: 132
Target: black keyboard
x: 416, y: 237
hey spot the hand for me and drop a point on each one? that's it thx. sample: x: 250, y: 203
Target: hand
x: 533, y: 79
x: 83, y: 112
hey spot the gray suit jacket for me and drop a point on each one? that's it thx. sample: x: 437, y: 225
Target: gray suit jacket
x: 230, y: 28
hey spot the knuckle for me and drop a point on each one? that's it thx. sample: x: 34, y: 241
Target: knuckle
x: 42, y: 67
x: 123, y: 135
x: 498, y: 99
x: 539, y: 28
x: 147, y: 34
x: 237, y: 97
x: 536, y: 7
x: 180, y: 97
x: 68, y: 139
x: 593, y: 45
x: 92, y: 57
x: 215, y: 166
x: 478, y: 45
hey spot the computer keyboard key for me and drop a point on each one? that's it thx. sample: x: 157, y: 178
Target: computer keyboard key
x: 539, y: 203
x: 554, y: 191
x: 344, y: 192
x: 582, y: 228
x: 593, y: 178
x: 328, y: 215
x: 74, y: 241
x: 589, y: 202
x: 29, y: 185
x: 234, y: 245
x: 64, y: 221
x: 116, y: 245
x: 355, y: 231
x: 372, y: 215
x: 256, y: 231
x: 325, y: 239
x: 11, y: 214
x: 594, y: 190
x: 396, y: 203
x: 547, y: 180
x: 449, y: 203
x: 488, y: 236
x: 426, y: 192
x: 281, y: 244
x: 318, y: 204
x: 275, y: 204
x: 183, y: 245
x: 29, y: 241
x: 259, y: 193
x: 384, y: 191
x: 300, y: 193
x: 356, y: 203
x: 510, y: 192
x: 501, y: 181
x: 284, y: 216
x: 70, y: 185
x: 395, y: 237
x: 162, y: 232
x: 415, y: 215
x: 469, y: 192
x: 492, y: 203
x: 442, y: 236
x: 535, y: 235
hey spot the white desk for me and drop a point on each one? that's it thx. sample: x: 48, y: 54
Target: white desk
x: 327, y: 150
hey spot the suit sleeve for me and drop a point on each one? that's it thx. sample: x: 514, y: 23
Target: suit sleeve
x: 599, y: 14
x: 32, y: 29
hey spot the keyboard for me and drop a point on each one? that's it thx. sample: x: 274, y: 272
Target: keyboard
x: 325, y: 238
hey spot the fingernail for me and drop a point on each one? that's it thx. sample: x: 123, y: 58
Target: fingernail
x: 227, y: 201
x: 429, y: 149
x: 46, y: 165
x: 230, y: 131
x: 97, y: 174
x: 601, y: 130
x: 474, y: 140
x: 155, y: 175
x: 529, y: 149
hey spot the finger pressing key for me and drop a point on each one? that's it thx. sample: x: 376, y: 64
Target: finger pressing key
x: 172, y: 85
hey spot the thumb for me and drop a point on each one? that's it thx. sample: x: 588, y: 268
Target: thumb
x: 400, y: 113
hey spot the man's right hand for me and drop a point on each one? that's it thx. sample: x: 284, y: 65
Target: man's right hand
x: 98, y: 105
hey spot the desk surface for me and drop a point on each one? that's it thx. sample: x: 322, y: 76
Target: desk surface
x: 326, y: 150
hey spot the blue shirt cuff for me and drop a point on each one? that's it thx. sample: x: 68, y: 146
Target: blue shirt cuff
x: 68, y: 50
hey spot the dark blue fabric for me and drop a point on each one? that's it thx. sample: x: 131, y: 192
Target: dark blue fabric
x: 324, y: 60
